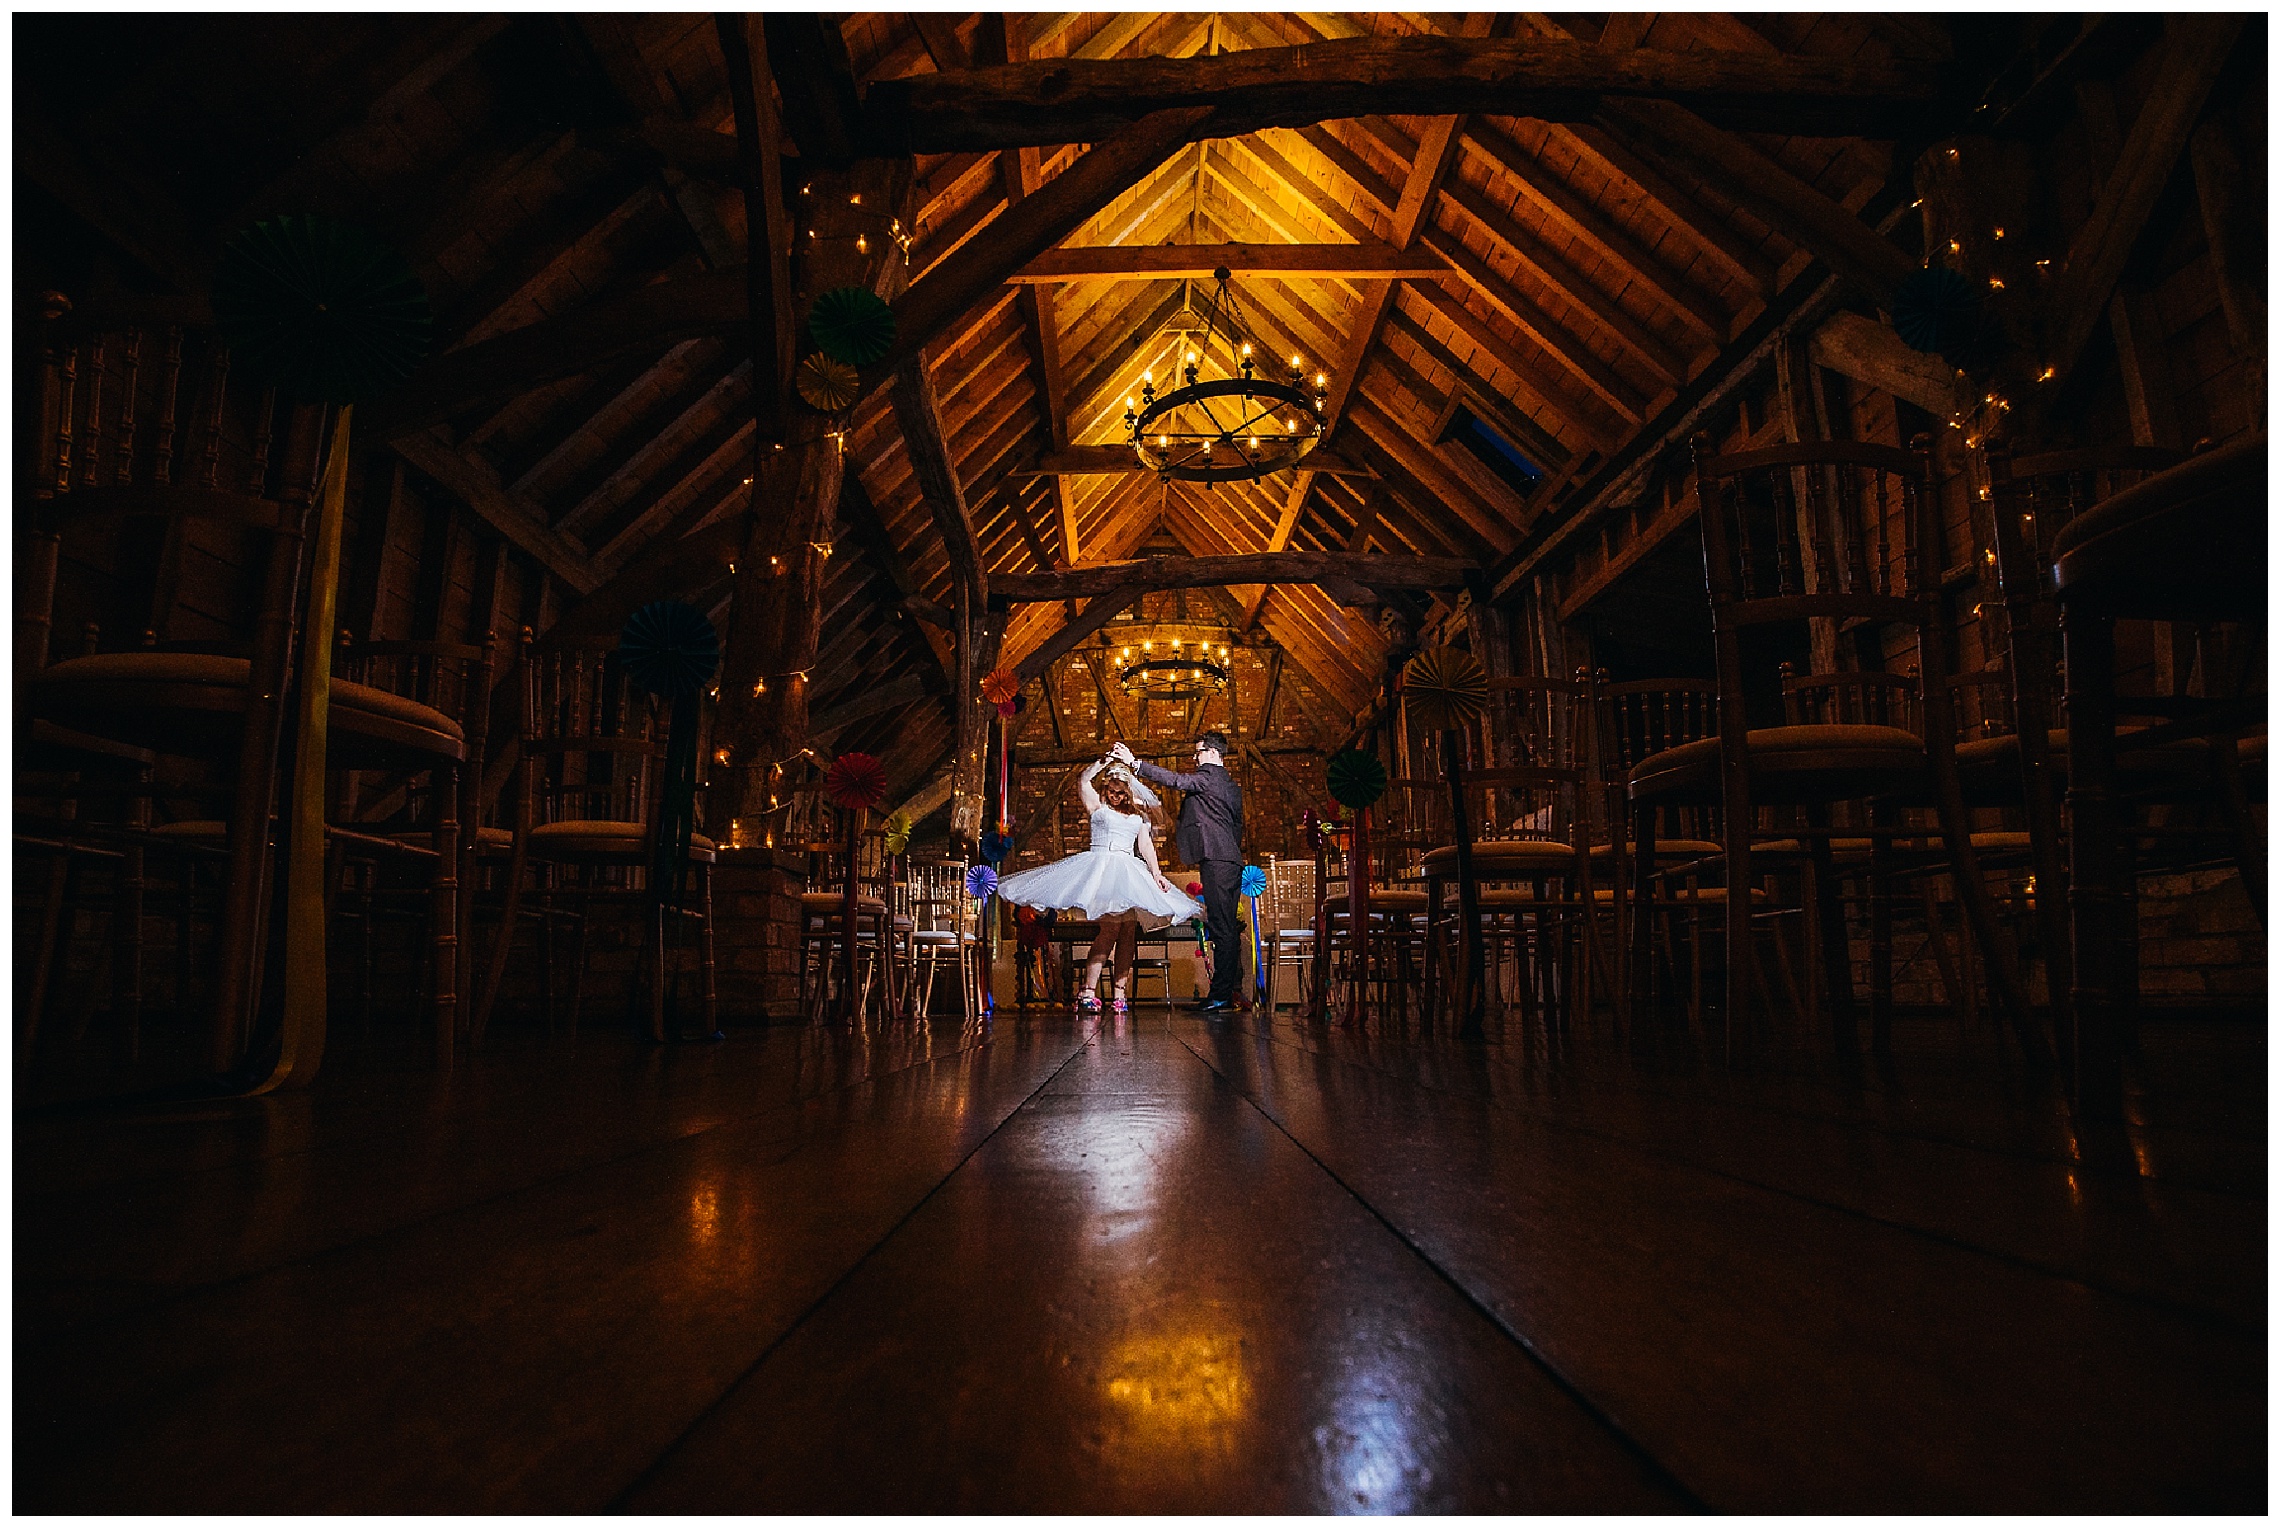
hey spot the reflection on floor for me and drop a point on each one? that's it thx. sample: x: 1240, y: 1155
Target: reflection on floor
x: 1155, y: 1264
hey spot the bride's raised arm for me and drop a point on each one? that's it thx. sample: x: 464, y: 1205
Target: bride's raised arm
x: 1085, y: 791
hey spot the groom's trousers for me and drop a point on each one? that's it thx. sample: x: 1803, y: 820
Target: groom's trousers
x: 1222, y: 894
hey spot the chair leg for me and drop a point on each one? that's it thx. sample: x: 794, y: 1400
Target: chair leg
x: 1836, y: 939
x: 444, y: 912
x: 127, y: 970
x: 1880, y: 932
x: 705, y: 953
x: 2098, y: 899
x: 44, y: 959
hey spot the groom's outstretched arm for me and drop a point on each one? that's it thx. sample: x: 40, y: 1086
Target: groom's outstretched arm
x: 1156, y: 774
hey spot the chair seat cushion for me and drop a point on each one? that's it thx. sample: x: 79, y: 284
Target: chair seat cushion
x: 1788, y: 765
x: 588, y: 838
x: 191, y: 701
x: 1707, y: 896
x: 1667, y: 849
x: 487, y: 840
x: 1503, y: 857
x: 831, y: 902
x: 934, y: 936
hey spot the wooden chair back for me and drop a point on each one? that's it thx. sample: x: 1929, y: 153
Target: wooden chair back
x: 1290, y: 895
x: 1640, y: 717
x: 452, y: 677
x: 938, y: 901
x: 1835, y: 541
x: 2030, y: 499
x: 593, y: 744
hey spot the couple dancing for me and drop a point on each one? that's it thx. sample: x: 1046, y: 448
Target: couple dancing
x: 1117, y: 884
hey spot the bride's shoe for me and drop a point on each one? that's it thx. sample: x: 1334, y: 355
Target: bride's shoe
x: 1088, y: 1003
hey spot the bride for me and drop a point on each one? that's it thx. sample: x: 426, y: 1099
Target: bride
x: 1115, y: 883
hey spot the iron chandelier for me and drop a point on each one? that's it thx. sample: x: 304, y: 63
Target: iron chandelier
x: 1230, y: 429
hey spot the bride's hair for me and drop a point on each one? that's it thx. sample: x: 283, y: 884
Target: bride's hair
x: 1116, y: 794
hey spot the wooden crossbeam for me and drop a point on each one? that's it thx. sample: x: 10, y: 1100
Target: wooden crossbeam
x: 1080, y: 101
x: 1821, y: 224
x: 478, y: 487
x: 1200, y: 261
x: 823, y: 104
x: 1119, y: 460
x: 1093, y: 617
x: 1285, y: 567
x: 2196, y: 50
x: 768, y: 230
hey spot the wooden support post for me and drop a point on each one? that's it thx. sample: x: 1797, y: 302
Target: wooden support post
x: 775, y: 618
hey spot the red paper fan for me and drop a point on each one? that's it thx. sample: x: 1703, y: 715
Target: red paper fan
x: 1007, y: 709
x: 855, y: 781
x: 1000, y: 687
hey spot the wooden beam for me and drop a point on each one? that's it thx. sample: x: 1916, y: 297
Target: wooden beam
x: 1285, y: 567
x: 648, y: 319
x: 1347, y: 262
x: 938, y: 31
x: 1050, y: 101
x: 893, y: 695
x: 2197, y: 48
x: 1568, y: 211
x: 947, y: 293
x: 2233, y: 219
x: 1600, y: 427
x: 919, y: 415
x: 823, y: 105
x: 768, y: 234
x: 477, y: 486
x: 1554, y: 271
x: 1096, y: 461
x: 1840, y: 240
x: 1867, y: 351
x: 1302, y: 484
x: 1096, y: 614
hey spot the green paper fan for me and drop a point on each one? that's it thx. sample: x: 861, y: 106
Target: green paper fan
x: 322, y: 308
x: 852, y: 325
x: 827, y: 385
x: 1357, y: 779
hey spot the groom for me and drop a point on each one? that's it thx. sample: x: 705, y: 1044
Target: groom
x: 1209, y: 836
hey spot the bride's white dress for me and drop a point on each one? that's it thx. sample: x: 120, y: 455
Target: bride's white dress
x: 1109, y: 880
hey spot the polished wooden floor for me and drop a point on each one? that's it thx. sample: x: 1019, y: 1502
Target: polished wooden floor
x: 1148, y: 1265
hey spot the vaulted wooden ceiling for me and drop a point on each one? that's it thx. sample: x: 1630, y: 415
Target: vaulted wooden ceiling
x: 1564, y: 281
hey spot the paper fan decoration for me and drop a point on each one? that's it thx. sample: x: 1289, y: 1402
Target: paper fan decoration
x: 1008, y: 709
x: 1254, y: 880
x: 826, y: 385
x: 1444, y: 688
x: 1000, y: 687
x: 1936, y: 309
x: 996, y: 846
x: 981, y: 881
x: 898, y: 828
x: 852, y: 324
x: 1357, y: 779
x: 322, y: 308
x: 855, y: 781
x: 668, y: 648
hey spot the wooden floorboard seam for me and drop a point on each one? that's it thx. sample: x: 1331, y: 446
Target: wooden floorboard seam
x: 649, y: 1472
x: 176, y: 1295
x: 1662, y: 1473
x: 2197, y: 1314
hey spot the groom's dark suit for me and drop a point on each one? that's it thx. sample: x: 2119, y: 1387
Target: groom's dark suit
x: 1210, y: 837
